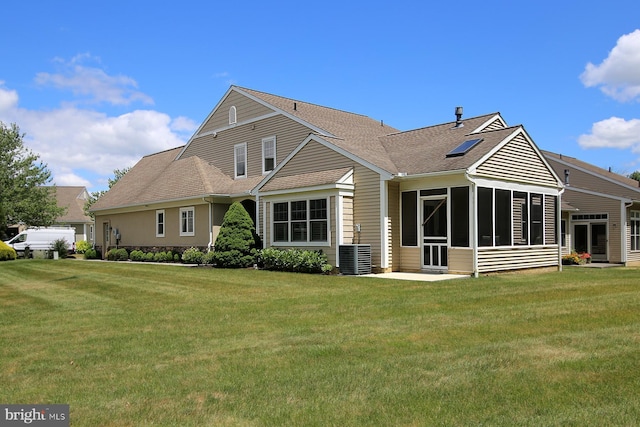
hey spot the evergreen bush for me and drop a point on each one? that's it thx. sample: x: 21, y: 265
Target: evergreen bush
x: 117, y: 254
x: 7, y: 252
x: 90, y: 254
x: 235, y: 245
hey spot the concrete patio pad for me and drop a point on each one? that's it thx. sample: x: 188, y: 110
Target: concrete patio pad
x: 422, y: 277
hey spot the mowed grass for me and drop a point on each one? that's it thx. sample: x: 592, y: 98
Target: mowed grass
x: 133, y: 345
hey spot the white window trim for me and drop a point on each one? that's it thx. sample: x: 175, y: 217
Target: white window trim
x: 310, y: 243
x: 633, y: 216
x: 264, y: 142
x: 235, y: 160
x: 233, y: 115
x: 164, y: 222
x: 193, y: 215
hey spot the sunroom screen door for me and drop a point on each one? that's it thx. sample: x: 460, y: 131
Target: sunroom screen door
x: 434, y: 233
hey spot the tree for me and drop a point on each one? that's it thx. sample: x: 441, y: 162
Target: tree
x: 635, y: 175
x: 23, y: 195
x: 95, y: 195
x: 235, y: 244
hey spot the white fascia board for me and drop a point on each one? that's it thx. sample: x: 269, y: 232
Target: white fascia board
x: 386, y: 175
x: 488, y: 122
x: 588, y: 172
x: 383, y: 173
x: 595, y: 193
x: 283, y: 112
x: 513, y: 185
x: 343, y: 188
x: 225, y: 96
x: 516, y: 132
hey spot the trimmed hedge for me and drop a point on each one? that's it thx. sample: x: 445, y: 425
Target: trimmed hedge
x: 117, y: 254
x: 7, y: 253
x: 295, y: 260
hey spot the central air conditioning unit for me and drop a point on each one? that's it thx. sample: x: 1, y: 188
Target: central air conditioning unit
x: 354, y: 259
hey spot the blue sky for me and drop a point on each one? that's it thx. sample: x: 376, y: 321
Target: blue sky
x: 97, y: 86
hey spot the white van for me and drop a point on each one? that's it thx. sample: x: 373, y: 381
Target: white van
x: 42, y: 239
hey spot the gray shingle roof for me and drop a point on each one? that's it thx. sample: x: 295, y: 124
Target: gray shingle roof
x: 72, y: 197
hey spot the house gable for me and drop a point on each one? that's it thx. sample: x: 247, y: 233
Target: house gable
x: 517, y: 159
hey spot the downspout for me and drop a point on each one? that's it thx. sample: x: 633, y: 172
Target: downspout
x: 210, y: 245
x: 559, y: 228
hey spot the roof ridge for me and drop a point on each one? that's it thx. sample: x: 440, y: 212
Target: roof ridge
x: 453, y: 122
x: 164, y: 151
x: 303, y: 102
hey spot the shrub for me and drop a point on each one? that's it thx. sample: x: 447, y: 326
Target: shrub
x: 82, y: 246
x: 192, y: 256
x: 148, y: 257
x: 60, y: 246
x: 90, y: 254
x: 235, y: 245
x: 295, y: 260
x: 163, y: 256
x: 117, y: 254
x: 7, y: 252
x: 136, y: 255
x: 176, y: 257
x: 207, y: 259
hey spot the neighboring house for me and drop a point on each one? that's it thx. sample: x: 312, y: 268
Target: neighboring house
x: 469, y: 196
x: 601, y: 215
x: 74, y: 199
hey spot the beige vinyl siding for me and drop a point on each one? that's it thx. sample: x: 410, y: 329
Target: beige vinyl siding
x: 518, y: 161
x: 218, y: 151
x: 550, y: 214
x: 366, y: 207
x: 460, y: 260
x: 347, y: 220
x: 494, y: 125
x: 410, y: 259
x: 246, y: 109
x: 497, y: 259
x: 592, y: 204
x: 366, y: 202
x: 137, y: 229
x: 394, y: 226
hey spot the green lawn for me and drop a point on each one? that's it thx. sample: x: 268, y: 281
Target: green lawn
x: 132, y: 345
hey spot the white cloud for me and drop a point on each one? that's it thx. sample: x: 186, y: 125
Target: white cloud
x: 613, y: 133
x: 619, y: 74
x: 93, y: 82
x: 8, y: 98
x: 83, y: 146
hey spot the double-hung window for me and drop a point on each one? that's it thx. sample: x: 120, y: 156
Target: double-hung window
x: 240, y: 160
x: 268, y: 154
x: 187, y: 221
x: 635, y: 230
x: 160, y: 223
x: 301, y: 221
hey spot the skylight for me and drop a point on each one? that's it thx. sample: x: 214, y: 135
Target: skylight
x: 463, y: 148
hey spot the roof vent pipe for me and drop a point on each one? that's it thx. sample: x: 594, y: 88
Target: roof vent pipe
x: 459, y: 123
x: 295, y: 106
